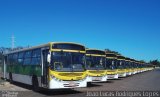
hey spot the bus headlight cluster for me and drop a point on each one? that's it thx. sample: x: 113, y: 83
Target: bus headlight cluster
x: 53, y: 77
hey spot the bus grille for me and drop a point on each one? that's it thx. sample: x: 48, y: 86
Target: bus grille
x: 71, y: 85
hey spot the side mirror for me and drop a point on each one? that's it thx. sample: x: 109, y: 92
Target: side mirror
x: 49, y: 57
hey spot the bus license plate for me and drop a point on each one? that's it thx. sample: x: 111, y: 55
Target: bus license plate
x: 110, y: 76
x: 96, y: 78
x: 72, y: 84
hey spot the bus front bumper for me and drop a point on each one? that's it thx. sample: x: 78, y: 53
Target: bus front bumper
x: 129, y: 73
x: 97, y: 78
x: 122, y: 75
x: 112, y: 76
x: 54, y: 84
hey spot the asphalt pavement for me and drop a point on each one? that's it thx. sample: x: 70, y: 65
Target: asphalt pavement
x: 146, y: 81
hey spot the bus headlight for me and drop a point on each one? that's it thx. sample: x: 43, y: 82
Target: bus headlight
x: 53, y: 77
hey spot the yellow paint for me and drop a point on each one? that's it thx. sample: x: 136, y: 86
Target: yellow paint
x: 96, y: 55
x: 67, y: 76
x: 111, y: 57
x: 96, y: 72
x: 120, y: 59
x: 128, y: 70
x: 111, y: 71
x: 121, y: 71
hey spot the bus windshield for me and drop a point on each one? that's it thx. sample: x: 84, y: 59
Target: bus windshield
x: 111, y: 64
x: 129, y: 64
x: 67, y: 61
x: 95, y: 62
x: 121, y: 64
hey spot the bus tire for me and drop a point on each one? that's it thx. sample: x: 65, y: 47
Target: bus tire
x: 35, y: 84
x: 89, y: 84
x: 10, y: 78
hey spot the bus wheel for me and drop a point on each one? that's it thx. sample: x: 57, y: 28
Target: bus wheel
x: 89, y: 84
x: 35, y: 84
x: 10, y: 78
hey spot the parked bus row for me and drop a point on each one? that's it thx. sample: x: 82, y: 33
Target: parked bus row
x: 59, y: 65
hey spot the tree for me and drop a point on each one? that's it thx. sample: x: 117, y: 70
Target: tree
x: 142, y: 61
x: 155, y: 62
x: 110, y: 51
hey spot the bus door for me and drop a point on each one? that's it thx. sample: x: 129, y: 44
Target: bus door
x: 44, y: 68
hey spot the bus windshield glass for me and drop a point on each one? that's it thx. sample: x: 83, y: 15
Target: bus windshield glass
x: 128, y: 64
x: 121, y: 64
x: 111, y: 64
x: 95, y: 62
x: 67, y: 61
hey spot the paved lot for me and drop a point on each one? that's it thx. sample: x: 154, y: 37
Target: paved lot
x: 147, y: 81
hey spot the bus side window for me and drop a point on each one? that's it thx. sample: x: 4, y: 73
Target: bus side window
x: 36, y: 57
x: 20, y: 58
x: 27, y: 58
x: 15, y: 56
x: 10, y: 59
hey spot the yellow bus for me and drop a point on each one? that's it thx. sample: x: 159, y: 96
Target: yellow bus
x: 135, y: 66
x: 121, y: 65
x: 129, y: 67
x: 95, y: 65
x: 111, y: 67
x: 150, y: 67
x: 141, y: 66
x: 55, y: 65
x: 144, y: 66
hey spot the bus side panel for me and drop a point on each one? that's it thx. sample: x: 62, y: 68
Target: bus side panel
x: 1, y: 69
x: 24, y: 73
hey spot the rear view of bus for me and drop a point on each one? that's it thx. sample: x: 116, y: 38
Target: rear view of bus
x: 121, y: 65
x: 67, y: 66
x: 95, y: 65
x: 111, y: 67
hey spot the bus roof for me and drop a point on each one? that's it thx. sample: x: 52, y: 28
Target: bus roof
x: 111, y: 55
x: 127, y: 59
x: 120, y: 57
x: 43, y: 45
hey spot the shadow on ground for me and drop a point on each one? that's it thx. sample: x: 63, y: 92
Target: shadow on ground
x: 109, y: 81
x: 93, y: 85
x: 43, y: 91
x: 58, y: 92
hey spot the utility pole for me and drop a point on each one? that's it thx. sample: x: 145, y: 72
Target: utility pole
x: 12, y: 42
